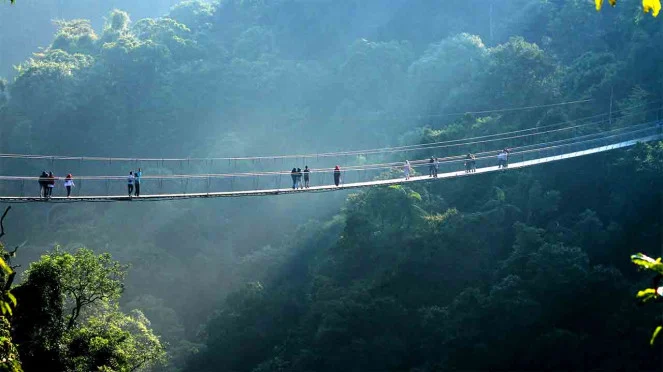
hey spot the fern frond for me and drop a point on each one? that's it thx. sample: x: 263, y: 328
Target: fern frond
x: 655, y: 334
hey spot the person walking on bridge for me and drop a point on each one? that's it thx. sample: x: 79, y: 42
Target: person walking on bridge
x: 69, y: 183
x: 502, y: 160
x: 337, y: 175
x: 406, y: 169
x: 43, y: 182
x: 300, y: 185
x: 137, y: 175
x: 307, y: 174
x: 130, y: 182
x: 436, y: 166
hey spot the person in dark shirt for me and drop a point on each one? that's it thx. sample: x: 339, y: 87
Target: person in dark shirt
x: 50, y: 184
x: 137, y: 175
x: 337, y: 175
x: 43, y: 181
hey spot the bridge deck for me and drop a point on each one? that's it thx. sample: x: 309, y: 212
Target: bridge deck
x: 326, y: 188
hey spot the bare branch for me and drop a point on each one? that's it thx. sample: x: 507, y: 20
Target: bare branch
x: 2, y: 220
x: 9, y: 255
x: 12, y: 253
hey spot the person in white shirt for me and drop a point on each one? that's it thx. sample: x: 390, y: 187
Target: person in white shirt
x: 406, y: 170
x: 69, y: 183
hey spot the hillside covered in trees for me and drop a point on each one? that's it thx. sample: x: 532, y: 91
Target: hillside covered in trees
x: 520, y: 270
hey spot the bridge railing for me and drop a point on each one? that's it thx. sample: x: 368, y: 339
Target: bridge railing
x: 243, y: 181
x: 552, y: 148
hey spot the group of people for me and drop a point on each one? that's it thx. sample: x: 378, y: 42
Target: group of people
x: 297, y: 175
x: 470, y: 163
x: 433, y: 168
x: 47, y: 184
x: 133, y: 182
x: 47, y: 180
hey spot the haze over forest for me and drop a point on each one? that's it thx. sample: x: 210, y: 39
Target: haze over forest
x: 526, y: 269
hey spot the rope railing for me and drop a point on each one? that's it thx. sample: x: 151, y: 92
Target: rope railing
x: 181, y: 184
x: 355, y: 168
x: 344, y: 186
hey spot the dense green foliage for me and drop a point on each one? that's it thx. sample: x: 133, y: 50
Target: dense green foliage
x: 68, y: 317
x: 656, y: 292
x: 525, y: 270
x: 519, y: 277
x: 9, y: 358
x: 28, y: 25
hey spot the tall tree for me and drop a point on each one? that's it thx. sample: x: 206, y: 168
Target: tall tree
x: 72, y: 318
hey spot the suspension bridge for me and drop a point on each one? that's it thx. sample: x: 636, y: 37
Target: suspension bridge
x: 528, y: 147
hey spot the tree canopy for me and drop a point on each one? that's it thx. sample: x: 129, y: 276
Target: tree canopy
x: 85, y: 279
x: 401, y: 281
x: 70, y: 318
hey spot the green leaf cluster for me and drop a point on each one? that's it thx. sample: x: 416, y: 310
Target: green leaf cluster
x: 10, y: 361
x: 124, y: 342
x: 650, y: 294
x: 648, y: 263
x: 9, y: 356
x: 7, y: 299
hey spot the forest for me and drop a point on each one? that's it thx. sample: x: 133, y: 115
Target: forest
x: 517, y: 270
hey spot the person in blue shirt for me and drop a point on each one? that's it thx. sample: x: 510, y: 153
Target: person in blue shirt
x: 137, y: 176
x: 293, y: 175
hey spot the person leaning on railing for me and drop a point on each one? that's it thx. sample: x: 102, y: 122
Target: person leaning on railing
x: 137, y: 176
